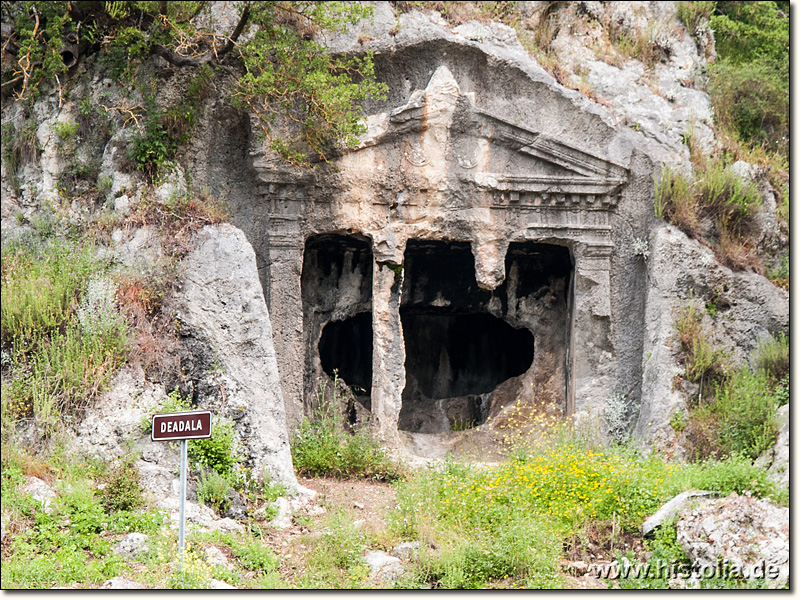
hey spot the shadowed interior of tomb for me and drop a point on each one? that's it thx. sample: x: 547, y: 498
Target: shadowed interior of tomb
x: 457, y: 355
x: 336, y: 286
x: 346, y: 348
x: 457, y: 352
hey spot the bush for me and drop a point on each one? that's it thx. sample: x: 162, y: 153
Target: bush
x: 737, y: 473
x: 674, y: 200
x: 217, y: 452
x: 718, y: 194
x: 703, y: 362
x: 254, y: 556
x: 747, y: 408
x: 740, y: 419
x: 213, y: 489
x: 123, y: 491
x: 772, y: 357
x: 58, y: 359
x: 42, y: 281
x: 750, y: 80
x: 174, y: 402
x: 695, y: 15
x: 322, y: 447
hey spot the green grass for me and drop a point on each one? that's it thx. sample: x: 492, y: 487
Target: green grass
x: 505, y: 525
x: 336, y: 558
x: 702, y: 360
x: 321, y: 447
x: 772, y: 357
x: 62, y: 336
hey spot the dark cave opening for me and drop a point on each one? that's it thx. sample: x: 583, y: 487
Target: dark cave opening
x: 457, y: 353
x: 336, y: 286
x: 346, y: 349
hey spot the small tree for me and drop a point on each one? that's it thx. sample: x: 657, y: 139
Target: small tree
x: 284, y: 71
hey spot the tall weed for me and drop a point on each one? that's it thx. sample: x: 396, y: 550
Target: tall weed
x: 772, y: 357
x: 322, y: 447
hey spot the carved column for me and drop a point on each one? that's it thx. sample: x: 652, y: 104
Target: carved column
x: 388, y: 349
x: 286, y: 309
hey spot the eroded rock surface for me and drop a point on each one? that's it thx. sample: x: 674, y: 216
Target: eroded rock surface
x: 741, y: 531
x: 223, y: 305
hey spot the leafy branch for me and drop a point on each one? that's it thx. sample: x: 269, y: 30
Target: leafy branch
x: 289, y: 81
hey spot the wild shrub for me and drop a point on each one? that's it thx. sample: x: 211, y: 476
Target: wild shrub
x: 723, y: 197
x: 123, y: 491
x: 321, y: 447
x: 750, y: 80
x: 174, y: 402
x: 704, y: 363
x: 217, y: 452
x: 738, y: 419
x: 772, y: 357
x: 42, y: 282
x: 179, y: 218
x: 336, y: 558
x: 213, y: 489
x: 674, y: 200
x: 695, y: 15
x: 62, y: 341
x: 19, y: 147
x: 155, y: 146
x: 736, y: 473
x: 746, y: 406
x: 255, y: 556
x: 718, y: 194
x: 782, y: 392
x: 664, y: 549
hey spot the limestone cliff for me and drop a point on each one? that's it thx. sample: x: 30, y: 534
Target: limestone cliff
x: 491, y: 239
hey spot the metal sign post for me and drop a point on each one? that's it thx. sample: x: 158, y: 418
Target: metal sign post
x: 183, y: 426
x: 182, y: 523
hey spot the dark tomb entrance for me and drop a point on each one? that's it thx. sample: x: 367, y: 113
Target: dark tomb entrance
x: 336, y: 285
x: 457, y: 353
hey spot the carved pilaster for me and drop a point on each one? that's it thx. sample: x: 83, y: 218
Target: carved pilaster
x: 286, y: 309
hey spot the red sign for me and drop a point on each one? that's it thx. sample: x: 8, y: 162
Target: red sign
x: 181, y: 426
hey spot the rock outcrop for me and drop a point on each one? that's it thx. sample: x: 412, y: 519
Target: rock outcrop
x: 532, y: 193
x: 222, y: 304
x: 683, y: 271
x: 738, y: 531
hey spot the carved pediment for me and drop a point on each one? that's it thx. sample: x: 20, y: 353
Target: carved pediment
x: 440, y: 130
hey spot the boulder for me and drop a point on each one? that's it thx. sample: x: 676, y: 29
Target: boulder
x: 132, y: 545
x: 670, y: 510
x: 198, y: 515
x: 383, y: 568
x: 215, y: 557
x: 406, y: 551
x: 121, y: 583
x: 749, y: 534
x: 222, y: 302
x: 40, y: 491
x: 284, y: 518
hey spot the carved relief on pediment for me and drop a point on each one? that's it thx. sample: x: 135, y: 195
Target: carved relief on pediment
x: 440, y: 133
x: 440, y: 149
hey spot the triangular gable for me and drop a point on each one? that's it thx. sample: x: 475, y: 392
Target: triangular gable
x: 442, y: 106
